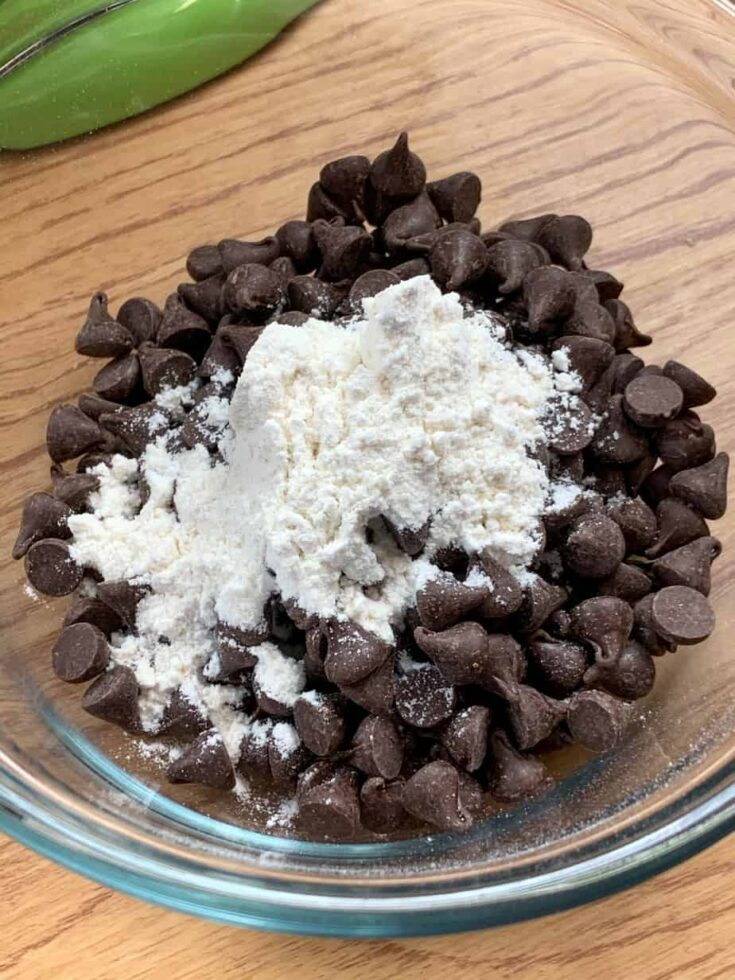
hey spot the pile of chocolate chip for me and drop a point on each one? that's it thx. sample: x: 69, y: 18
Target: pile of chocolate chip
x: 481, y: 681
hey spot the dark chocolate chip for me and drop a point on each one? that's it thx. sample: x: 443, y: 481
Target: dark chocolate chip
x: 296, y: 241
x: 330, y: 808
x: 597, y: 720
x: 688, y: 565
x: 589, y: 319
x: 509, y: 262
x: 343, y: 250
x: 638, y: 473
x: 514, y: 777
x: 320, y: 206
x: 704, y: 487
x: 205, y: 762
x: 93, y: 406
x: 118, y: 380
x: 618, y: 441
x: 410, y: 221
x: 138, y: 426
x: 240, y: 339
x: 465, y: 737
x: 253, y: 290
x: 628, y: 582
x: 253, y: 759
x: 506, y: 593
x: 141, y: 317
x: 456, y: 197
x: 183, y: 329
x: 292, y: 318
x: 320, y: 722
x: 204, y: 262
x: 411, y: 268
x: 652, y: 400
x: 352, y: 653
x: 165, y: 368
x: 228, y: 636
x: 398, y: 173
x: 182, y: 718
x: 433, y: 795
x: 370, y: 284
x: 567, y: 239
x: 50, y: 568
x: 90, y: 460
x: 123, y: 598
x: 677, y: 525
x: 695, y: 389
x: 80, y: 653
x: 287, y: 756
x: 381, y: 805
x: 375, y: 693
x: 73, y: 489
x: 569, y: 425
x: 607, y: 286
x: 526, y: 229
x: 409, y: 539
x: 234, y: 253
x: 423, y: 698
x: 205, y: 298
x: 344, y: 179
x: 627, y: 335
x: 113, y: 697
x: 655, y: 485
x: 532, y: 715
x: 682, y: 615
x: 467, y: 654
x: 314, y: 296
x: 70, y: 433
x: 685, y: 442
x: 315, y: 642
x: 443, y: 601
x: 94, y: 611
x: 559, y: 665
x: 644, y: 630
x: 605, y: 623
x: 626, y: 367
x: 637, y: 522
x: 43, y: 517
x: 630, y: 676
x: 588, y: 357
x: 540, y: 600
x: 101, y: 336
x: 457, y: 258
x: 549, y: 295
x: 378, y: 747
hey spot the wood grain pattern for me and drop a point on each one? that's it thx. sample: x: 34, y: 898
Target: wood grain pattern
x: 624, y: 112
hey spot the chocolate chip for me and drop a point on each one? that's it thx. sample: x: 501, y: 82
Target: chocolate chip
x: 411, y: 540
x: 378, y: 747
x: 628, y: 582
x: 408, y: 222
x: 101, y: 336
x: 183, y: 329
x: 559, y: 666
x: 253, y: 290
x: 532, y: 715
x: 398, y: 173
x: 457, y: 258
x: 91, y: 460
x: 605, y: 623
x: 607, y: 286
x: 381, y: 805
x: 627, y: 335
x: 569, y: 425
x: 43, y: 517
x: 644, y: 630
x: 80, y: 653
x: 433, y: 795
x: 73, y: 489
x: 465, y: 737
x: 655, y: 486
x: 287, y: 756
x: 617, y: 440
x: 330, y: 808
x: 704, y: 487
x: 444, y: 601
x: 512, y: 776
x: 344, y: 179
x: 70, y: 433
x: 526, y: 229
x: 240, y: 339
x: 549, y: 295
x: 677, y: 525
x: 205, y: 298
x: 165, y: 368
x: 141, y: 317
x: 685, y: 442
x: 566, y: 239
x: 637, y: 522
x: 411, y: 268
x: 50, y: 568
x: 314, y: 297
x: 204, y: 262
x: 320, y: 722
x: 296, y: 241
x: 232, y: 638
x: 123, y: 598
x: 594, y: 547
x: 638, y: 473
x: 505, y: 595
x: 182, y: 718
x: 597, y: 720
x: 94, y: 611
x: 460, y: 652
x: 375, y: 693
x: 589, y: 319
x: 626, y: 367
x: 138, y: 426
x: 370, y: 284
x: 205, y: 762
x: 695, y: 389
x: 113, y: 697
x: 118, y: 380
x: 652, y: 400
x: 253, y: 756
x: 292, y: 318
x: 352, y: 653
x: 630, y: 676
x: 587, y: 356
x: 234, y: 253
x: 540, y: 600
x: 423, y: 698
x: 343, y: 250
x: 93, y: 406
x: 509, y: 262
x: 688, y: 565
x: 682, y: 615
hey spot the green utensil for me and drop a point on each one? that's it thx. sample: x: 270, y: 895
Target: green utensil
x: 71, y: 66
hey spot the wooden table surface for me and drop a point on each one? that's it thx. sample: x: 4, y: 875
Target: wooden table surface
x: 555, y: 109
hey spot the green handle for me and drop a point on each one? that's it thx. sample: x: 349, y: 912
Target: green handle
x: 132, y: 55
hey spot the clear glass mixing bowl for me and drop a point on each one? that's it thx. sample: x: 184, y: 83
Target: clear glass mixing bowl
x: 622, y: 112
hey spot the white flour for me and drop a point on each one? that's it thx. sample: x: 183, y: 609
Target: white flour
x: 416, y: 412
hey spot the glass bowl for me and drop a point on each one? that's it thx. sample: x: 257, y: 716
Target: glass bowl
x: 622, y: 112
